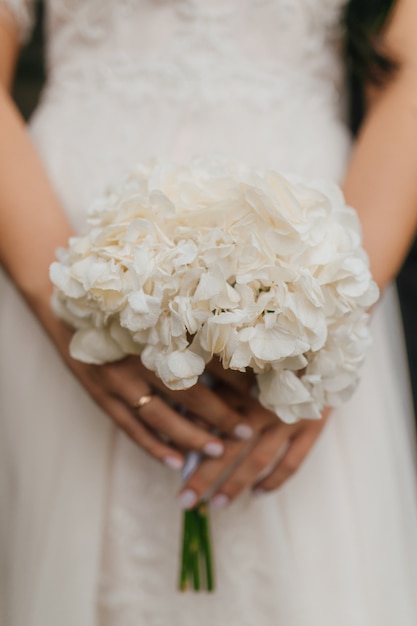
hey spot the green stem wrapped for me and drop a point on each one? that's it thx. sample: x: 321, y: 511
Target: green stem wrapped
x: 196, y: 571
x: 203, y: 520
x: 186, y: 538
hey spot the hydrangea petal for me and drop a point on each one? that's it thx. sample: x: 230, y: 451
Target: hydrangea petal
x: 95, y: 345
x: 273, y: 344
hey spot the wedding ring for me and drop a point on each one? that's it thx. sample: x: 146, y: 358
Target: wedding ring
x: 143, y: 401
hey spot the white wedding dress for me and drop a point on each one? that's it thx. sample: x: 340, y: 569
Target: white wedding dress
x: 89, y: 525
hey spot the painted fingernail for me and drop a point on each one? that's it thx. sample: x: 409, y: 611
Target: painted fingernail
x: 213, y: 449
x: 220, y: 501
x: 188, y: 499
x: 243, y: 431
x: 173, y: 462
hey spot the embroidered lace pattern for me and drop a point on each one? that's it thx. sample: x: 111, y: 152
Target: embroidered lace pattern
x: 210, y: 51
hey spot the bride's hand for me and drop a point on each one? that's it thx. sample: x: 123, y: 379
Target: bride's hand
x: 156, y: 426
x: 262, y: 464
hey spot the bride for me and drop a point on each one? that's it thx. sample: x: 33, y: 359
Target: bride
x: 90, y: 517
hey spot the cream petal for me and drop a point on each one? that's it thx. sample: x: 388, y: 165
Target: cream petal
x: 293, y: 363
x: 95, y: 345
x: 177, y: 325
x: 138, y: 302
x: 140, y: 321
x: 124, y: 339
x: 274, y: 344
x: 185, y: 364
x: 61, y: 278
x: 180, y: 369
x: 281, y: 388
x: 228, y: 298
x: 211, y: 284
x: 241, y: 357
x: 185, y: 254
x: 214, y: 337
x: 151, y: 354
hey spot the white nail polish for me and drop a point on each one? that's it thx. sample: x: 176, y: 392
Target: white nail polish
x: 173, y: 462
x: 243, y: 431
x: 220, y: 501
x: 188, y: 499
x: 213, y: 449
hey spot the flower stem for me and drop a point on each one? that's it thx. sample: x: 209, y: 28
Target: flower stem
x: 195, y: 551
x: 185, y: 550
x: 196, y: 558
x: 206, y: 544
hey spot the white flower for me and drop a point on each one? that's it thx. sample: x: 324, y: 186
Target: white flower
x: 95, y: 345
x: 185, y: 262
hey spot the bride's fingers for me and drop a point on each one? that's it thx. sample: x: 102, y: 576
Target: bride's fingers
x: 288, y: 465
x: 199, y: 400
x: 181, y: 431
x: 206, y: 404
x: 141, y: 435
x: 278, y: 452
x: 294, y: 456
x: 257, y: 416
x: 257, y: 462
x: 210, y: 473
x: 121, y: 381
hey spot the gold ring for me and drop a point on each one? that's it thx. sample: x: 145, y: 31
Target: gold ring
x: 143, y: 401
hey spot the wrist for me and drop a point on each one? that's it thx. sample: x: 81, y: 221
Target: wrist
x: 39, y: 300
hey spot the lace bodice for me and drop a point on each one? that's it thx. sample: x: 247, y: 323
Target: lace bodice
x: 213, y: 48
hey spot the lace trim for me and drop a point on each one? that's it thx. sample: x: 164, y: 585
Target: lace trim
x: 22, y: 15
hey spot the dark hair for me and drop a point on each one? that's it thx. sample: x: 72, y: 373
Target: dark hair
x: 366, y: 61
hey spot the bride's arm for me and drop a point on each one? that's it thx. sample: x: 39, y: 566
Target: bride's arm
x: 32, y: 226
x: 381, y: 183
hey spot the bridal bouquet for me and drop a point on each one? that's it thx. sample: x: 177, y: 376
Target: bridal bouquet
x: 264, y: 271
